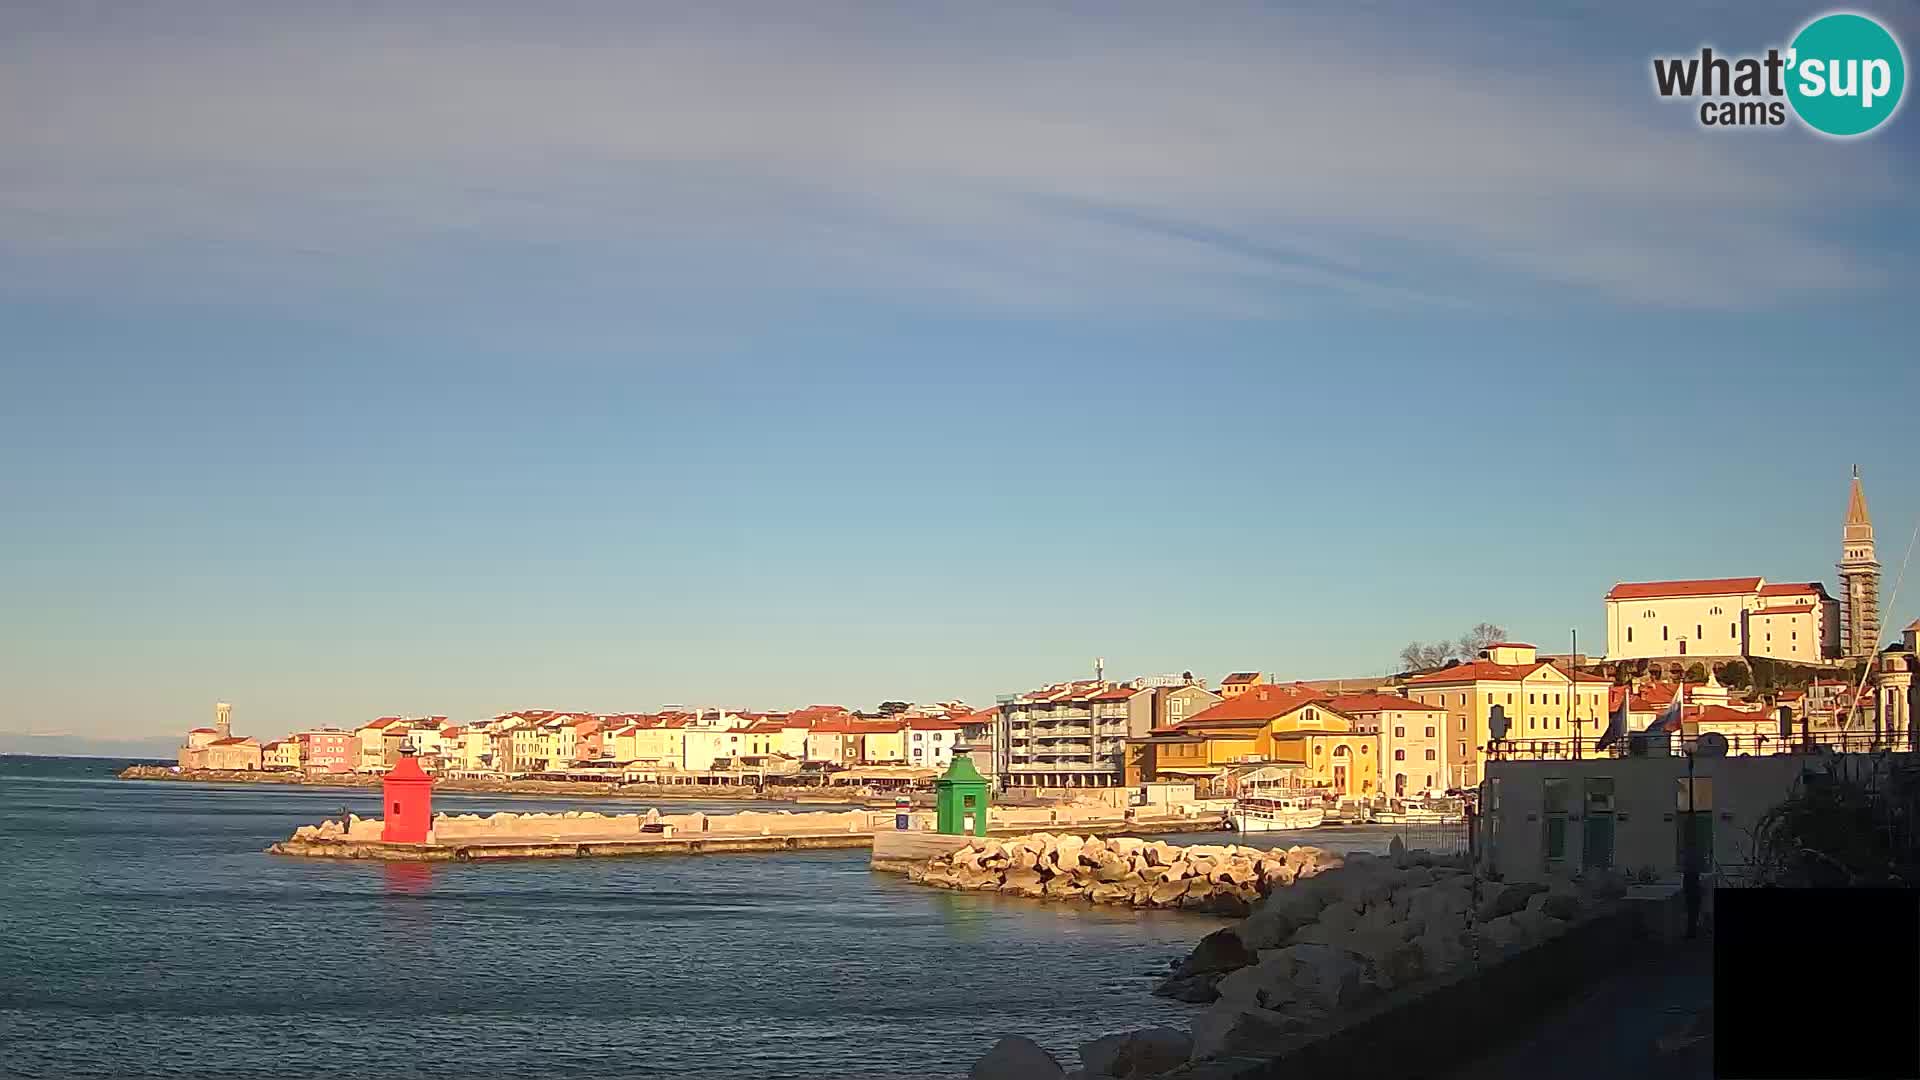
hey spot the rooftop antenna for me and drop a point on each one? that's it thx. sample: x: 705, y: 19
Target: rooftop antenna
x: 1099, y: 669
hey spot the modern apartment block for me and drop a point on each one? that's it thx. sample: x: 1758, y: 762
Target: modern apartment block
x: 1070, y: 734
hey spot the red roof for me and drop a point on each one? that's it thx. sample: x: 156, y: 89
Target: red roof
x: 1378, y: 702
x: 204, y: 731
x: 1794, y: 588
x: 236, y: 741
x: 1723, y: 714
x: 1649, y: 590
x: 1782, y: 609
x: 1118, y: 693
x: 1488, y: 671
x: 1510, y: 645
x: 1260, y: 703
x: 928, y: 724
x: 1239, y: 677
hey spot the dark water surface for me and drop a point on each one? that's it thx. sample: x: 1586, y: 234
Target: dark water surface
x: 143, y: 933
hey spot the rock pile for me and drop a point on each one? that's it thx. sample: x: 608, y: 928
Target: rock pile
x: 1311, y: 954
x: 1225, y: 880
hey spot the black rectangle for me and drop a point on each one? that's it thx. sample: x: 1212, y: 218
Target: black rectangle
x: 1812, y: 983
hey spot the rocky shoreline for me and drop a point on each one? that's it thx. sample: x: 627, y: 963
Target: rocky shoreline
x: 1124, y: 870
x: 472, y: 785
x: 1315, y: 956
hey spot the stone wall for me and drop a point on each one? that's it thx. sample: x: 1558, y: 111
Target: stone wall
x: 1222, y: 879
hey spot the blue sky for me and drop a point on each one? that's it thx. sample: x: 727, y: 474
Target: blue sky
x: 453, y: 360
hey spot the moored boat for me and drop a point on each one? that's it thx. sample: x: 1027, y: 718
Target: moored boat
x: 1276, y: 813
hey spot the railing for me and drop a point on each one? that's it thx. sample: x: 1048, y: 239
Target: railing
x: 1640, y: 744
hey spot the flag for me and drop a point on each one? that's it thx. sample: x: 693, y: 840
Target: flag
x: 1668, y: 721
x: 1616, y: 721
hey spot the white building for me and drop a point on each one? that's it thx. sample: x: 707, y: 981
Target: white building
x: 1630, y: 813
x: 1722, y: 617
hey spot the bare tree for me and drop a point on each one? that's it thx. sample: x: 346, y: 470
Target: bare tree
x: 1480, y: 638
x: 1424, y: 655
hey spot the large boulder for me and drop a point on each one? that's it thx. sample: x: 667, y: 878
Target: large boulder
x: 1222, y: 950
x: 1016, y: 1058
x: 1026, y: 883
x: 1224, y: 1031
x: 1508, y: 899
x: 1136, y: 1055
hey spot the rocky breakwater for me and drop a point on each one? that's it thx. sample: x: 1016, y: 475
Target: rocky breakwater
x: 1312, y: 957
x: 1218, y: 879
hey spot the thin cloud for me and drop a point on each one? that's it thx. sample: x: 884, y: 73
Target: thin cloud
x: 1249, y: 168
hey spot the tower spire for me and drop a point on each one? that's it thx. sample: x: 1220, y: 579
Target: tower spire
x: 1859, y: 577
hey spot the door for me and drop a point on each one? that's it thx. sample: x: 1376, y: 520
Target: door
x: 1597, y: 843
x: 1340, y: 779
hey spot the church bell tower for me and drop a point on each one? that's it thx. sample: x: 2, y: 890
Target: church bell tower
x: 1859, y: 578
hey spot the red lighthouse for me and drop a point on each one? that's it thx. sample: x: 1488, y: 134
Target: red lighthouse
x: 408, y: 793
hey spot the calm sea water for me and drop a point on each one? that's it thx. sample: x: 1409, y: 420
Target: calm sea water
x: 144, y: 933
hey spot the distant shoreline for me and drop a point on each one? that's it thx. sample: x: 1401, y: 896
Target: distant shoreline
x: 555, y: 788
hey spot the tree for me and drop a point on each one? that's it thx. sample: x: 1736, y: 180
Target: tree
x: 1425, y: 655
x: 1696, y: 672
x: 893, y: 708
x: 1734, y: 675
x: 1479, y: 639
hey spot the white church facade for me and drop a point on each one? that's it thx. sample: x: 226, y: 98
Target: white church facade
x: 1749, y: 616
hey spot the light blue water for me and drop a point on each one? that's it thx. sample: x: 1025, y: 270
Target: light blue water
x: 144, y: 933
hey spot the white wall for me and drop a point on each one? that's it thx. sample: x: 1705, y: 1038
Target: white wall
x: 1708, y: 625
x: 1647, y: 794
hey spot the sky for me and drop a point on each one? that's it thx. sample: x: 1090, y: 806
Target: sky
x: 435, y: 358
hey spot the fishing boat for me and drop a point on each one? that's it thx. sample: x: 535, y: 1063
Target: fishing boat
x: 1276, y: 813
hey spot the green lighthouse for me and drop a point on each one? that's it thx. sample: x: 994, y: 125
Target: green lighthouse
x: 960, y: 798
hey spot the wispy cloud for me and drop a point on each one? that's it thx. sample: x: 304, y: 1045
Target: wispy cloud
x: 1030, y: 161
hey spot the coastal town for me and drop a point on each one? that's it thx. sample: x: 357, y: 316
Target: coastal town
x: 1748, y: 666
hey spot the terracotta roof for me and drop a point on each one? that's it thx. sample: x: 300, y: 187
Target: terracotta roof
x: 1259, y: 704
x: 1782, y: 609
x: 1793, y: 588
x: 1650, y: 590
x: 1488, y: 671
x: 236, y: 741
x: 1377, y: 702
x: 930, y: 724
x: 1723, y: 714
x: 1118, y: 693
x: 382, y: 723
x: 204, y: 731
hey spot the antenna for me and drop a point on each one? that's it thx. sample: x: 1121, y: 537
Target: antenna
x: 1099, y: 669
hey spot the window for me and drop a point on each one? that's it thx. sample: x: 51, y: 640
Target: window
x: 1714, y: 611
x: 1399, y: 732
x: 1663, y: 633
x: 1530, y: 699
x: 1340, y: 751
x: 1463, y: 723
x: 916, y: 736
x: 1697, y: 632
x: 1429, y: 775
x: 1733, y: 630
x: 1629, y: 633
x: 1553, y: 819
x: 1509, y: 699
x: 1463, y: 699
x: 1401, y: 755
x: 1429, y: 732
x: 1463, y: 749
x: 1430, y: 757
x: 1364, y: 749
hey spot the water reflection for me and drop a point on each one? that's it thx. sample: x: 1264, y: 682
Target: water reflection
x: 408, y: 878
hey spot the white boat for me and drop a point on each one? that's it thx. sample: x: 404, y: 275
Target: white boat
x: 1276, y: 813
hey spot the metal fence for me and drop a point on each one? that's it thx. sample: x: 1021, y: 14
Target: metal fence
x: 1641, y: 744
x: 1441, y: 838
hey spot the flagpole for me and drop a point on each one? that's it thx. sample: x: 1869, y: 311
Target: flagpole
x: 1573, y: 674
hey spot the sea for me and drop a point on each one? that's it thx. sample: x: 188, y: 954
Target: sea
x: 144, y: 932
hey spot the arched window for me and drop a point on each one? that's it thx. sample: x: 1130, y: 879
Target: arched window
x: 1340, y: 751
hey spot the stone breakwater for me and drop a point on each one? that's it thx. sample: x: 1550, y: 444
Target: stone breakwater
x: 1218, y: 879
x: 1313, y: 956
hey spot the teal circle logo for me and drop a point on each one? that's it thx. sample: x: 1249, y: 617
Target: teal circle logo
x: 1845, y: 74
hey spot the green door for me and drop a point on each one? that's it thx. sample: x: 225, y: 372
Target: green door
x: 1597, y: 851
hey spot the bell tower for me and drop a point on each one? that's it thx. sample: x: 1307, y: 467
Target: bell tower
x: 223, y: 719
x: 1859, y: 578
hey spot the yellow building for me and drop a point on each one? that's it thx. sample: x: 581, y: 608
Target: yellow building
x: 885, y: 742
x: 1265, y: 725
x: 1240, y: 682
x: 284, y: 754
x: 1544, y: 706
